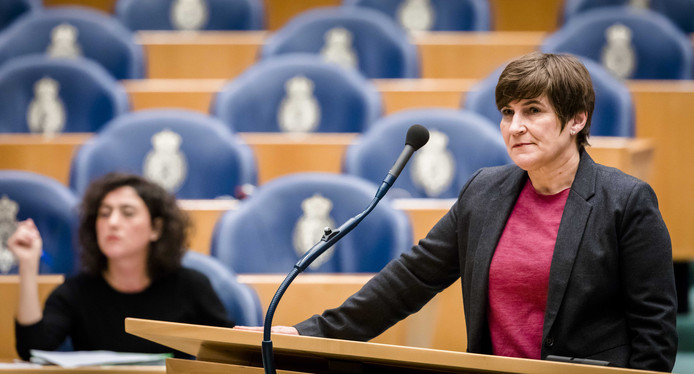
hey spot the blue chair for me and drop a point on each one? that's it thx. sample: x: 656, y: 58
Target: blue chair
x: 680, y: 12
x: 460, y: 142
x: 10, y: 10
x: 613, y: 114
x: 190, y: 154
x: 174, y: 14
x: 272, y: 228
x: 52, y: 206
x: 70, y: 31
x: 240, y: 301
x: 365, y: 39
x: 631, y: 43
x: 433, y: 15
x: 298, y: 93
x: 45, y: 95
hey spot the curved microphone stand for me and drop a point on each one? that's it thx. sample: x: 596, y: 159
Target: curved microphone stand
x: 417, y: 136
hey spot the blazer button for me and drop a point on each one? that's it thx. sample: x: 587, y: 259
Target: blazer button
x: 549, y: 342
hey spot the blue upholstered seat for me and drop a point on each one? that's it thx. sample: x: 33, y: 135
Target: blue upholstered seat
x: 270, y: 230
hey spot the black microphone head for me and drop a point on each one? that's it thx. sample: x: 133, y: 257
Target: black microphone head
x: 417, y: 136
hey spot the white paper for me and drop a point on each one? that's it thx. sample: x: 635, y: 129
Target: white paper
x: 92, y: 358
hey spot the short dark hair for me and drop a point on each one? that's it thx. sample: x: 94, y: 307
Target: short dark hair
x: 165, y: 253
x: 562, y: 78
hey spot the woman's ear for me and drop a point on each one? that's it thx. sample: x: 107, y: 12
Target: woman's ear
x: 579, y: 122
x: 157, y: 228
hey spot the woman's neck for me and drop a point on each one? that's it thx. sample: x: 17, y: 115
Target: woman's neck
x: 556, y: 178
x: 127, y: 276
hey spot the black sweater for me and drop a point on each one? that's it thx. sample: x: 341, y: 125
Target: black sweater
x: 89, y: 311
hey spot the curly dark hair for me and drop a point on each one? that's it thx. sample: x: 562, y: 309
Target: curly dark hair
x: 165, y: 253
x: 561, y: 77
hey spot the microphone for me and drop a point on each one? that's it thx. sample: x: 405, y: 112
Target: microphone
x: 417, y: 136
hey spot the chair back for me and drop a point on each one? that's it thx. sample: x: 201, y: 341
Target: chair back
x: 299, y: 94
x: 433, y: 15
x: 460, y: 142
x: 240, y: 301
x: 680, y: 12
x: 52, y: 207
x: 10, y: 10
x: 614, y: 109
x: 190, y: 154
x: 630, y: 43
x: 352, y: 37
x: 51, y: 96
x: 70, y: 32
x: 191, y: 14
x: 272, y: 229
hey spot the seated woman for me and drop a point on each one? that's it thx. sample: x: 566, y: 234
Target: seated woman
x: 132, y: 236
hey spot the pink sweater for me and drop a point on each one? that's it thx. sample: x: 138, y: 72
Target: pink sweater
x: 519, y: 273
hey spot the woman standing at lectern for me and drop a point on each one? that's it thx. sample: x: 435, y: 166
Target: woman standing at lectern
x: 558, y: 255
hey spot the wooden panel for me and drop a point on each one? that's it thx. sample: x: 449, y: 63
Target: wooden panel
x: 423, y: 214
x: 280, y: 154
x: 663, y: 113
x: 471, y: 55
x: 526, y: 15
x: 198, y: 94
x: 278, y: 12
x: 210, y: 54
x: 9, y: 289
x: 225, y: 54
x: 107, y: 6
x: 39, y: 154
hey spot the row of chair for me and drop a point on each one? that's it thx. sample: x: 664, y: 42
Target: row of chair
x: 413, y: 15
x: 296, y: 93
x: 633, y: 44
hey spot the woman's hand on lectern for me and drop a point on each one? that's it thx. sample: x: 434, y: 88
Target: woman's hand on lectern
x: 285, y: 330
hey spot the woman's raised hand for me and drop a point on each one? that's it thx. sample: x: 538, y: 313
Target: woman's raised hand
x: 26, y: 244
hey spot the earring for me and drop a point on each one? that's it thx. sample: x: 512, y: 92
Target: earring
x: 573, y: 132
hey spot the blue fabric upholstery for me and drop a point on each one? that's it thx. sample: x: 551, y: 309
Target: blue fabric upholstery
x: 89, y: 94
x: 614, y: 108
x: 53, y: 207
x: 221, y: 14
x: 662, y: 51
x: 461, y: 15
x: 680, y: 12
x: 382, y: 47
x: 250, y: 103
x: 241, y: 301
x: 472, y: 141
x: 216, y: 161
x: 258, y: 236
x: 10, y: 10
x: 100, y: 37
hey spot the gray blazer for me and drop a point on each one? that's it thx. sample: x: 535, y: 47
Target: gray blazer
x: 611, y: 294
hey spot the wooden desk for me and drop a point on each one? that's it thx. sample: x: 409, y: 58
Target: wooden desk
x: 663, y: 113
x: 423, y: 214
x: 226, y: 54
x: 10, y: 292
x: 440, y: 324
x: 198, y: 94
x: 281, y: 154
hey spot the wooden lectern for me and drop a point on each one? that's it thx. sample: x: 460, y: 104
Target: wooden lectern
x: 223, y: 350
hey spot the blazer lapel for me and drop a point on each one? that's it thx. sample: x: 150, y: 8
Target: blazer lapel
x: 571, y: 230
x: 498, y: 209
